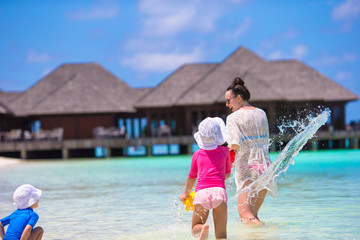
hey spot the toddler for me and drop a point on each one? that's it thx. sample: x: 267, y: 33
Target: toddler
x: 211, y: 165
x: 22, y: 221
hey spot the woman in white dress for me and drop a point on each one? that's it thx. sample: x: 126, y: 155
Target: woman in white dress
x: 249, y: 137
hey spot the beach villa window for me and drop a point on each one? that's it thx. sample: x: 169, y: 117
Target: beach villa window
x: 195, y: 118
x: 129, y: 128
x: 136, y: 127
x: 173, y: 125
x: 337, y: 117
x: 35, y: 126
x: 121, y: 122
x: 203, y: 115
x: 153, y: 127
x: 143, y: 124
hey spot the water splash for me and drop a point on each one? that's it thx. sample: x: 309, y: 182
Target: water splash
x: 286, y: 156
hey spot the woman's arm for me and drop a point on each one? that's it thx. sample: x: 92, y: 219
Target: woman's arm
x: 26, y: 233
x: 190, y: 182
x: 234, y: 133
x: 2, y: 231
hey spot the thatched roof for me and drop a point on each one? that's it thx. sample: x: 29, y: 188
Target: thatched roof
x: 295, y: 81
x: 3, y: 109
x: 142, y: 91
x: 76, y: 89
x: 289, y: 80
x: 89, y: 88
x: 171, y: 91
x: 5, y: 99
x: 240, y: 63
x: 8, y: 97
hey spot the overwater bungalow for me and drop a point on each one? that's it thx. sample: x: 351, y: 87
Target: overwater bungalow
x: 77, y: 103
x: 282, y: 88
x: 75, y: 97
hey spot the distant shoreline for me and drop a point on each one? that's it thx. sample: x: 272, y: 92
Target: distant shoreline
x: 5, y: 161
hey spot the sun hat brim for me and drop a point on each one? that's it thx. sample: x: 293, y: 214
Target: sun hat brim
x: 26, y: 195
x: 220, y: 139
x: 203, y: 145
x: 36, y: 196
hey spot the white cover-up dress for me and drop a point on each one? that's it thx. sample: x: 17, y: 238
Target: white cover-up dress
x: 249, y: 129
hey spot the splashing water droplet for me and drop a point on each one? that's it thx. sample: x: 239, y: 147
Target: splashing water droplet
x: 287, y: 155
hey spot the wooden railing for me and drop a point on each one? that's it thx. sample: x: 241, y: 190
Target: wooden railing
x: 115, y: 143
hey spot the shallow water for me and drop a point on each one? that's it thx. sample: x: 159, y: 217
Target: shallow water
x: 137, y: 198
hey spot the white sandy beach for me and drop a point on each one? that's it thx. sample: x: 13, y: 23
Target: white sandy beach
x: 5, y: 161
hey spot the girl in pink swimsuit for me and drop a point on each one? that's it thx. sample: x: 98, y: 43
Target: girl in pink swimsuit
x: 211, y: 165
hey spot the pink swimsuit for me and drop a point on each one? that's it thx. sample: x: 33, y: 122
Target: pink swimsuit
x: 211, y: 167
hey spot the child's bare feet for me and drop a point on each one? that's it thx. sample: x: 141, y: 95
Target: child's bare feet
x: 204, y: 232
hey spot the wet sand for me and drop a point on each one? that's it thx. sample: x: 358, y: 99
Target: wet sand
x: 5, y: 161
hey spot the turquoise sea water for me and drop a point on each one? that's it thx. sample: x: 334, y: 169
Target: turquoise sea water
x: 137, y: 198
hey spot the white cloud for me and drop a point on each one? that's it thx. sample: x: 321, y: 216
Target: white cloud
x: 348, y: 10
x: 94, y: 13
x: 289, y: 34
x: 161, y: 45
x: 162, y: 17
x: 158, y: 62
x: 276, y: 55
x: 35, y: 57
x: 298, y: 52
x: 343, y: 75
x: 148, y: 45
x: 347, y: 13
x: 232, y: 35
x: 168, y: 24
x: 245, y: 25
x: 97, y: 32
x: 238, y: 1
x: 278, y: 39
x: 328, y: 61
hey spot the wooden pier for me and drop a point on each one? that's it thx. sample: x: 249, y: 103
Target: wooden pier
x: 86, y: 147
x: 118, y: 147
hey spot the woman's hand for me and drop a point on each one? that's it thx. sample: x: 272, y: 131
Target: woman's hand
x: 182, y: 197
x: 234, y: 147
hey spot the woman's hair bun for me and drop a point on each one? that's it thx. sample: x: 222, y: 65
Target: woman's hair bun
x: 238, y: 81
x: 238, y: 88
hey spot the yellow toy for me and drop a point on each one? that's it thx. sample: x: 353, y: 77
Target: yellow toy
x: 189, y: 206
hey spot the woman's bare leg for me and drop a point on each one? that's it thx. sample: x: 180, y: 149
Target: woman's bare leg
x: 248, y: 207
x: 258, y: 201
x: 36, y: 234
x: 220, y: 220
x: 199, y: 227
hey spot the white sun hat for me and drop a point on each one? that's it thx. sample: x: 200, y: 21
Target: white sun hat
x: 25, y: 196
x: 212, y: 132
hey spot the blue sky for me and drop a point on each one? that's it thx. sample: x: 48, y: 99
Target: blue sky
x: 144, y: 41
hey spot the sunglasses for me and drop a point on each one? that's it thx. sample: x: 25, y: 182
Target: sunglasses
x: 228, y: 99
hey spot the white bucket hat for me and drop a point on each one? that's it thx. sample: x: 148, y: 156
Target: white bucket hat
x: 26, y: 195
x: 212, y: 132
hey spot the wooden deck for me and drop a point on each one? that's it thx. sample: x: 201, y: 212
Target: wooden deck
x: 117, y: 147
